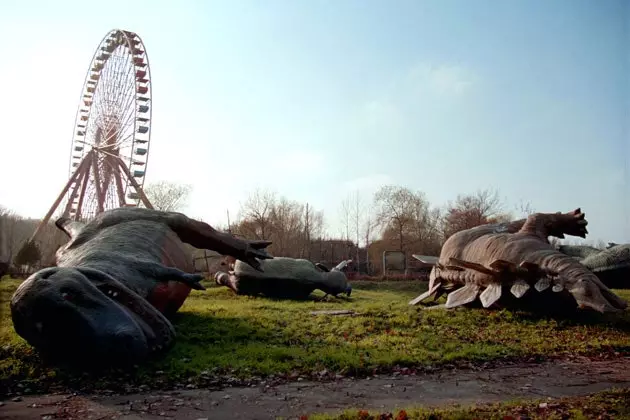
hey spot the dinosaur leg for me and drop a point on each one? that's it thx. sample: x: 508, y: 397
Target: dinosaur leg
x: 202, y: 235
x: 556, y: 224
x: 161, y: 273
x: 196, y: 233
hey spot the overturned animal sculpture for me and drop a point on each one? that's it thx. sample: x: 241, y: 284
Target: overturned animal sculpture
x: 512, y: 263
x: 610, y: 265
x: 117, y: 281
x: 284, y: 278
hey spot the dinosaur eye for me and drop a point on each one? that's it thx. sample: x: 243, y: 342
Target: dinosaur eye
x: 67, y: 294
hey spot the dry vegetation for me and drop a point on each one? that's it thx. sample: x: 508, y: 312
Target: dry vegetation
x: 611, y: 404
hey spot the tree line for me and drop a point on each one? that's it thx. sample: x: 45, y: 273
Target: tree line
x: 395, y: 218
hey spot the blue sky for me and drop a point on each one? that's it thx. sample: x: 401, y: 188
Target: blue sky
x: 320, y: 98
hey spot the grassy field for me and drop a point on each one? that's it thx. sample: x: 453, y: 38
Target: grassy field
x: 605, y: 405
x: 221, y: 335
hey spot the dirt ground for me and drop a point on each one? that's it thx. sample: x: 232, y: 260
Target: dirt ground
x: 579, y: 376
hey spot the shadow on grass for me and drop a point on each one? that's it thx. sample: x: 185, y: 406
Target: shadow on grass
x: 201, y: 339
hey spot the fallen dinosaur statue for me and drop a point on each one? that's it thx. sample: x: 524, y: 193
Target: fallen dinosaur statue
x: 284, y: 278
x: 499, y: 262
x: 116, y: 283
x: 610, y: 265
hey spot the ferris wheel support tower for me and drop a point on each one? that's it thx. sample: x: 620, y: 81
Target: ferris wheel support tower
x: 111, y: 136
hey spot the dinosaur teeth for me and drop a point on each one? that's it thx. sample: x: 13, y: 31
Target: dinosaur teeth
x: 425, y: 295
x: 490, y: 295
x: 542, y: 284
x: 115, y: 294
x: 519, y: 288
x: 462, y: 296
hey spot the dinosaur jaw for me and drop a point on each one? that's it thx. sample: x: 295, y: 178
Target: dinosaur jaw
x: 86, y: 316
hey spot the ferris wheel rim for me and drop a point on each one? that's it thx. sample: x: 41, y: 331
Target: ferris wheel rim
x: 140, y: 116
x: 129, y: 47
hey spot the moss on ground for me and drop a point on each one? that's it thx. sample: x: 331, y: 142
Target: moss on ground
x: 614, y: 404
x: 223, y: 334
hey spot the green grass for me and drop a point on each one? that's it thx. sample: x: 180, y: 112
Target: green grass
x: 241, y: 337
x: 604, y: 405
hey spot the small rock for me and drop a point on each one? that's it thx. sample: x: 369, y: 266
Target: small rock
x: 226, y: 397
x: 1, y: 403
x: 388, y: 386
x: 17, y: 399
x: 542, y: 405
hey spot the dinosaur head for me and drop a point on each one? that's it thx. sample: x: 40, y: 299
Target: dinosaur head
x: 335, y: 283
x: 84, y: 315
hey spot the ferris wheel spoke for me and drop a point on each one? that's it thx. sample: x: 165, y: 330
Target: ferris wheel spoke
x: 121, y: 78
x: 114, y: 61
x: 126, y: 130
x: 122, y: 134
x: 128, y: 107
x: 124, y: 85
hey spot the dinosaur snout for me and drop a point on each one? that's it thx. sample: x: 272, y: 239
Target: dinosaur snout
x: 221, y: 278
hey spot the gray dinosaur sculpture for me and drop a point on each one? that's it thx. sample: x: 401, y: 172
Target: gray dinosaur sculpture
x: 116, y: 283
x: 284, y: 278
x: 610, y: 265
x: 514, y: 263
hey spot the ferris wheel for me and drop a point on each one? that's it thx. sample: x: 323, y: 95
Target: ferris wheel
x: 111, y: 136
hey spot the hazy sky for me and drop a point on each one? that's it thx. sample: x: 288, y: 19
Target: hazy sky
x: 314, y: 99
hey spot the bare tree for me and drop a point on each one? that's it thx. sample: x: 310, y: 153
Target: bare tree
x: 290, y: 225
x: 370, y: 224
x: 522, y: 209
x: 168, y: 196
x: 356, y: 215
x: 472, y: 210
x: 313, y: 228
x: 5, y: 214
x: 345, y: 217
x: 287, y: 223
x: 397, y: 210
x: 256, y: 212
